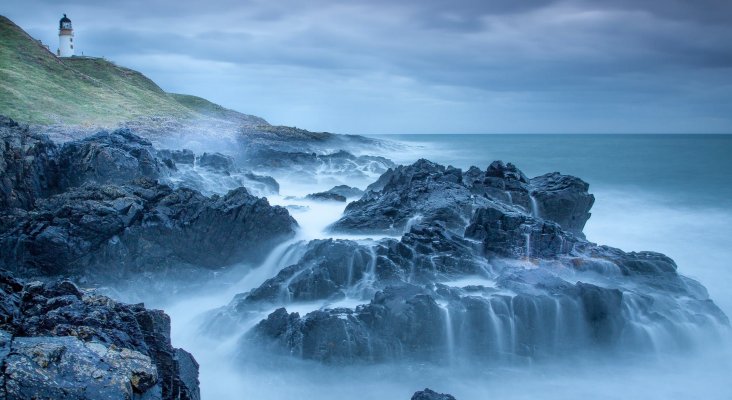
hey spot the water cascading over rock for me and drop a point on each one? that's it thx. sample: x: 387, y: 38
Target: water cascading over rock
x: 479, y: 276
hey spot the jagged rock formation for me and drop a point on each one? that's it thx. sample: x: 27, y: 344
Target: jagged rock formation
x: 303, y: 155
x: 111, y: 231
x: 34, y: 167
x: 28, y: 168
x: 213, y: 173
x: 108, y: 158
x: 57, y: 341
x: 427, y: 192
x: 173, y: 157
x: 428, y: 394
x: 562, y: 199
x: 216, y: 161
x: 442, y: 293
x: 424, y: 191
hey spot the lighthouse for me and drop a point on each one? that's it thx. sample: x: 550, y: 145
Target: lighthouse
x: 65, y: 38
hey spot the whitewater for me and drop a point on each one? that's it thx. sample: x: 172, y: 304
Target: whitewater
x: 629, y: 213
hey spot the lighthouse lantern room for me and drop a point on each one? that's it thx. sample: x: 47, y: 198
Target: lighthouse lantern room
x: 65, y: 38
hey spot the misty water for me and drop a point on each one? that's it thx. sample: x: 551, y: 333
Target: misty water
x: 666, y: 193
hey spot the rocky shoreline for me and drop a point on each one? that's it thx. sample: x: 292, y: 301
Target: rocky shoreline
x: 57, y: 341
x: 477, y: 265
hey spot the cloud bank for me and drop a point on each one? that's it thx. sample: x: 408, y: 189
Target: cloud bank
x: 425, y: 66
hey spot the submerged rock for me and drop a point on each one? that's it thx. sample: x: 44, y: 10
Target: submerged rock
x: 57, y: 341
x: 108, y: 232
x: 428, y: 394
x: 302, y: 165
x: 346, y: 191
x: 326, y: 196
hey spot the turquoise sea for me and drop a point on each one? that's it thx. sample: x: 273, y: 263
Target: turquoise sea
x: 667, y: 193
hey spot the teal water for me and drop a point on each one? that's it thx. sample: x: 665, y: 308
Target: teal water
x: 666, y: 193
x: 690, y: 169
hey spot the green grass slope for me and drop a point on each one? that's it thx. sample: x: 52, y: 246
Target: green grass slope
x: 36, y: 87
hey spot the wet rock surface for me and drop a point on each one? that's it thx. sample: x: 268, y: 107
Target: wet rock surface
x: 216, y: 161
x: 427, y: 192
x: 326, y: 196
x: 429, y: 394
x: 562, y: 199
x: 57, y: 341
x: 28, y: 168
x: 346, y: 191
x: 423, y: 191
x: 109, y: 231
x: 305, y: 155
x: 108, y: 158
x: 481, y: 274
x: 482, y: 265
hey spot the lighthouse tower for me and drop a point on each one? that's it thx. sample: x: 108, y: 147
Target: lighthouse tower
x: 65, y: 38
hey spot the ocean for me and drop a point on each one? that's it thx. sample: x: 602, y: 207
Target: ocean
x: 666, y: 193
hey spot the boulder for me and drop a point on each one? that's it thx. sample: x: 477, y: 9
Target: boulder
x: 182, y: 156
x: 216, y: 161
x: 563, y: 199
x: 428, y: 394
x: 57, y: 341
x: 346, y: 191
x: 326, y: 196
x: 108, y: 158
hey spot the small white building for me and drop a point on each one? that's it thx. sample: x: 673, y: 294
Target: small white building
x: 65, y: 38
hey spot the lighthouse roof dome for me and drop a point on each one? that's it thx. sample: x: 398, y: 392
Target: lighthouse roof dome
x: 64, y: 20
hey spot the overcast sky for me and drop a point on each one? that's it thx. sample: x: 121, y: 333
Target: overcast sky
x: 424, y: 66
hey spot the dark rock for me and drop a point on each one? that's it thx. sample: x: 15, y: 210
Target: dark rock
x: 108, y: 158
x: 263, y: 183
x: 216, y: 161
x: 28, y: 168
x: 428, y: 394
x: 428, y: 192
x: 346, y: 191
x: 563, y: 199
x: 414, y: 316
x: 508, y: 233
x: 319, y: 274
x: 305, y: 164
x: 326, y: 196
x: 424, y: 191
x: 335, y: 269
x: 183, y: 156
x: 393, y: 325
x: 108, y: 232
x: 59, y: 342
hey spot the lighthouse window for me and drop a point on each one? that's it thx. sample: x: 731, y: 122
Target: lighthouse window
x: 71, y: 40
x: 72, y: 46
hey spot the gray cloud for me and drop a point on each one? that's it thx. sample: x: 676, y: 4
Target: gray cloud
x: 425, y: 65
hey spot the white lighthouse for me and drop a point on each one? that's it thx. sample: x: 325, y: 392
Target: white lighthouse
x: 65, y: 38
